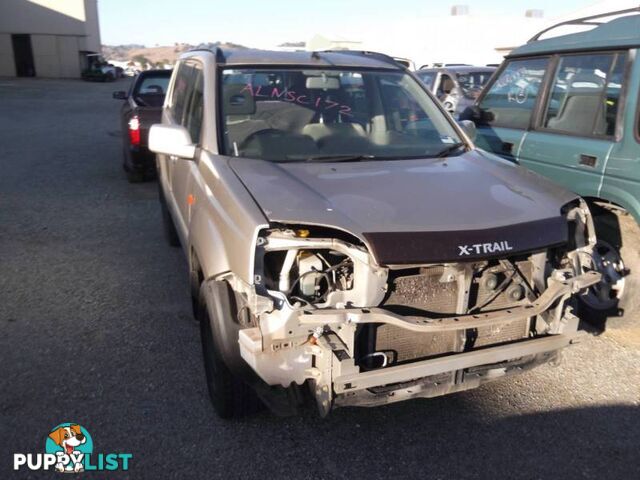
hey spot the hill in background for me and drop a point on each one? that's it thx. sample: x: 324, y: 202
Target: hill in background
x: 159, y: 54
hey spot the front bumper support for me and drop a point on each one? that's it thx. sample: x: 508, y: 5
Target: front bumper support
x: 459, y: 361
x: 280, y: 351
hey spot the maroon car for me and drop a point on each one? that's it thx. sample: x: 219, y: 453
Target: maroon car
x: 142, y: 108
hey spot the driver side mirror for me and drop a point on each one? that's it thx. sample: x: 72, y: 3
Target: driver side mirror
x: 120, y: 95
x: 172, y: 140
x: 469, y: 128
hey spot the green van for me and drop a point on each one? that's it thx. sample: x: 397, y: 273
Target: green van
x: 568, y: 108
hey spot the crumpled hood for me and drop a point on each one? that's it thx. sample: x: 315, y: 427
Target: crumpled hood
x: 470, y: 192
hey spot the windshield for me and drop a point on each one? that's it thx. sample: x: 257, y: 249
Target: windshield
x: 299, y: 114
x: 471, y: 83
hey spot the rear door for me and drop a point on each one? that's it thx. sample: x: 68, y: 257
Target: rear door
x: 575, y: 127
x: 508, y: 104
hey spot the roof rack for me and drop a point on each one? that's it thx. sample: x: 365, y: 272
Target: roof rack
x: 584, y: 21
x: 367, y: 53
x: 217, y: 51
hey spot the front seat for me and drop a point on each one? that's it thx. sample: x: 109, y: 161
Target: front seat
x: 582, y: 103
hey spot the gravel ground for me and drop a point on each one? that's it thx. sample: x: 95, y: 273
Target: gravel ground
x: 96, y: 329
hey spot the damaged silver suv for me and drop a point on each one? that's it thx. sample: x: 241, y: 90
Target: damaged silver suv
x: 348, y: 245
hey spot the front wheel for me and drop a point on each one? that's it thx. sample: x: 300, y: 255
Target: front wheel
x: 616, y: 256
x: 229, y: 395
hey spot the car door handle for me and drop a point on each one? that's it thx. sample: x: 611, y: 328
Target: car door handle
x: 588, y: 160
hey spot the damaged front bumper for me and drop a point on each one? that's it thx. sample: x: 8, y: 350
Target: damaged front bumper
x: 298, y: 345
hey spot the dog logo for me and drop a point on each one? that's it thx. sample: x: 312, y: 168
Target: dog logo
x: 69, y: 449
x: 70, y: 443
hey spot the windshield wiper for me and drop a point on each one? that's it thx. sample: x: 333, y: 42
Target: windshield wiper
x: 449, y: 149
x: 340, y: 158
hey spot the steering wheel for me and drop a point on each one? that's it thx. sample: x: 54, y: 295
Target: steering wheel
x: 258, y: 133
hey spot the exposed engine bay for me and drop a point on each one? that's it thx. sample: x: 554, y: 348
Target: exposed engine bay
x: 322, y: 312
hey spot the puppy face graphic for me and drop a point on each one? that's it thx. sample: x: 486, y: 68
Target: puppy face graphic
x: 68, y: 438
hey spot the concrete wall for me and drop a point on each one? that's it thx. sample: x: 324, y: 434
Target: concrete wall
x: 92, y: 27
x: 62, y: 17
x: 59, y: 29
x: 7, y: 65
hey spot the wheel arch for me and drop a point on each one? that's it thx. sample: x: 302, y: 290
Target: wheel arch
x: 619, y: 198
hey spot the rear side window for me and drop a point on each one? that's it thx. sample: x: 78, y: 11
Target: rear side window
x: 180, y: 91
x: 585, y: 94
x: 512, y: 97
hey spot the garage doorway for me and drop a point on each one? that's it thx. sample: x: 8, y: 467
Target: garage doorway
x: 23, y: 55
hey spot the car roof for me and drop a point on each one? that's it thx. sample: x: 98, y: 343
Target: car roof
x: 623, y: 32
x: 346, y: 58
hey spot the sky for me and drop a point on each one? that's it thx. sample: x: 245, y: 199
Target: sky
x: 266, y: 23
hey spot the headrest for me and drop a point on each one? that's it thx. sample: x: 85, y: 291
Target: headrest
x: 588, y: 81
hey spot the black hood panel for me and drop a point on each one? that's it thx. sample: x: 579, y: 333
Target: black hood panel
x: 401, y: 248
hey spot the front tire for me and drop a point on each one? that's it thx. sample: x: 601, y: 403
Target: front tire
x: 229, y: 395
x: 613, y: 302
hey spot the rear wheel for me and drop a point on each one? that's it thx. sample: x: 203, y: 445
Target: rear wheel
x: 134, y: 177
x: 616, y: 256
x: 229, y: 395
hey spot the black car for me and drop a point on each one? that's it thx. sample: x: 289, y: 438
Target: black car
x: 141, y: 109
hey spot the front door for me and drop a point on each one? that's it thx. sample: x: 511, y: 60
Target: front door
x: 506, y: 109
x: 576, y: 130
x: 184, y: 170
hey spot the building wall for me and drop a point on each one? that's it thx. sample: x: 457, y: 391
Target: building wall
x: 7, y: 65
x: 56, y: 55
x: 60, y: 30
x: 92, y: 27
x: 62, y: 17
